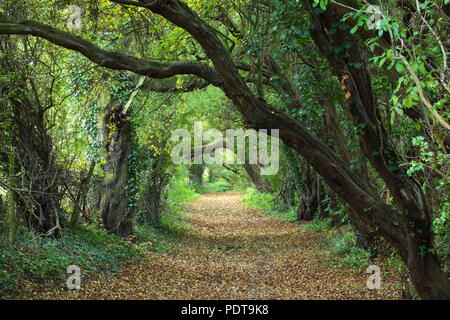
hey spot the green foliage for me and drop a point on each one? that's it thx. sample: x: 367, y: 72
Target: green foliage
x: 343, y: 243
x: 221, y: 186
x: 258, y: 200
x: 318, y: 225
x: 45, y: 261
x: 160, y: 236
x: 174, y: 222
x: 321, y: 3
x: 284, y: 215
x: 153, y: 238
x: 268, y: 204
x: 356, y: 257
x: 179, y: 188
x: 343, y: 246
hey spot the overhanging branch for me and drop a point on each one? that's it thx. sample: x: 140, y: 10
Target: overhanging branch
x: 108, y: 59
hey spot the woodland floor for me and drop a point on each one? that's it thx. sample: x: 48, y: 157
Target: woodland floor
x: 233, y: 252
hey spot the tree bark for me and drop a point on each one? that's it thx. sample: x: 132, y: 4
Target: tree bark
x: 114, y: 205
x: 37, y: 193
x: 310, y: 196
x: 196, y: 174
x: 415, y: 239
x: 261, y: 184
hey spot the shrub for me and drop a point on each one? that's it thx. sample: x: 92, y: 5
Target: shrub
x: 343, y: 246
x: 318, y: 225
x: 221, y: 186
x: 153, y: 237
x: 268, y: 204
x: 258, y: 200
x: 45, y: 261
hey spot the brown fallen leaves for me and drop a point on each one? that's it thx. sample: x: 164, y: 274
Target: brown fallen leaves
x: 232, y: 252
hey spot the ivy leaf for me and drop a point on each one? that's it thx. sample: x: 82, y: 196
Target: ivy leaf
x: 400, y: 67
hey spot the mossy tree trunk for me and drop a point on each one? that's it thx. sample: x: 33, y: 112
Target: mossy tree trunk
x: 114, y: 205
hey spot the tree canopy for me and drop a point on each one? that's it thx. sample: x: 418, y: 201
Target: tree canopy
x: 359, y: 91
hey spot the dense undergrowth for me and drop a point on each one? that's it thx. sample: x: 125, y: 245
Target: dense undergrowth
x: 44, y: 261
x: 268, y: 204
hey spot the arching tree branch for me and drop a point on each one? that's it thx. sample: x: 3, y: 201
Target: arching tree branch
x: 108, y: 59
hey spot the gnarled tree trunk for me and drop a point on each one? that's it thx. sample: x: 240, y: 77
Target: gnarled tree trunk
x: 261, y: 184
x: 310, y: 194
x: 196, y: 174
x: 114, y: 205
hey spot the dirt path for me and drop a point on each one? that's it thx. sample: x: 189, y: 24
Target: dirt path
x: 234, y: 252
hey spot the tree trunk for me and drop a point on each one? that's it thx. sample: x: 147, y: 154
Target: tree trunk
x: 80, y: 201
x: 259, y: 115
x: 426, y: 274
x: 154, y: 196
x: 114, y: 205
x: 415, y: 238
x: 261, y: 184
x: 37, y: 192
x: 310, y: 196
x: 196, y: 174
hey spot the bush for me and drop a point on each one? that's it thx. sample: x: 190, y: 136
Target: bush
x: 259, y: 200
x: 180, y: 191
x: 44, y: 261
x: 179, y: 188
x: 159, y: 236
x: 173, y: 222
x: 221, y: 186
x: 153, y: 237
x: 357, y: 257
x: 343, y: 246
x: 267, y: 203
x: 318, y: 225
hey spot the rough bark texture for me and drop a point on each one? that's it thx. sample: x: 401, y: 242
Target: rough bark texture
x: 115, y: 211
x: 310, y: 195
x: 104, y: 58
x: 414, y: 240
x: 399, y: 230
x: 80, y: 199
x: 154, y: 196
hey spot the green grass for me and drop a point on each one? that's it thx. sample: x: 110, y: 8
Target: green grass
x: 289, y: 216
x: 202, y: 189
x: 45, y: 261
x: 154, y: 238
x: 342, y: 245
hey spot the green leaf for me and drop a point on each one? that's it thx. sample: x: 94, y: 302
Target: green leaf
x: 400, y: 67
